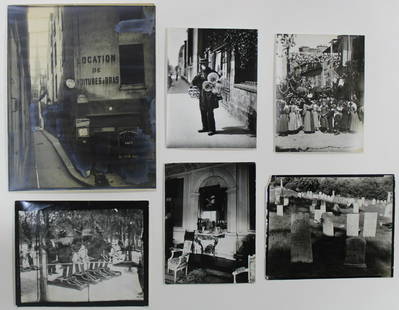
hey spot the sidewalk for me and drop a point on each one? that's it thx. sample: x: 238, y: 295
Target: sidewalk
x: 320, y: 142
x: 184, y: 121
x: 89, y: 181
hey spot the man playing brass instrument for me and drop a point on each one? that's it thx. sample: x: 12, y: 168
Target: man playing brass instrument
x: 208, y: 98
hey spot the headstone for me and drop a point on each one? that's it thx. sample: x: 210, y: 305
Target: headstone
x: 323, y: 207
x: 389, y: 197
x: 373, y: 202
x: 314, y: 203
x: 286, y: 201
x: 356, y: 207
x: 317, y: 215
x: 370, y: 224
x: 272, y: 195
x: 280, y: 210
x: 277, y: 197
x: 328, y: 225
x: 352, y: 225
x: 388, y: 210
x: 355, y: 252
x: 301, y: 243
x: 363, y: 200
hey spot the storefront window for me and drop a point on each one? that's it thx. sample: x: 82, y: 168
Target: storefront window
x: 131, y: 59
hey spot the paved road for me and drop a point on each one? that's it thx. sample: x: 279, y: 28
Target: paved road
x: 124, y: 287
x: 321, y: 142
x: 184, y: 120
x: 50, y: 170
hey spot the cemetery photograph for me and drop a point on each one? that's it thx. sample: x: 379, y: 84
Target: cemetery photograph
x: 331, y: 226
x: 81, y: 253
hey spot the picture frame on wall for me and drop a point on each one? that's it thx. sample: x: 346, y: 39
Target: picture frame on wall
x: 81, y: 253
x: 81, y: 96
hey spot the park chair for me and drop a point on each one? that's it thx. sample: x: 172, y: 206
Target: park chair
x: 250, y: 270
x: 180, y: 257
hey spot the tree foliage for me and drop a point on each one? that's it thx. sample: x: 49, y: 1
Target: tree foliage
x: 244, y: 42
x: 368, y: 187
x: 112, y: 224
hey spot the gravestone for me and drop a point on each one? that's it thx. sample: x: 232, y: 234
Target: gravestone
x: 277, y: 195
x: 370, y: 224
x: 356, y: 207
x: 317, y: 215
x: 301, y: 242
x: 373, y: 202
x: 328, y: 225
x: 323, y: 207
x: 389, y: 197
x: 272, y: 195
x: 286, y: 201
x: 388, y: 210
x: 280, y: 210
x: 352, y: 225
x: 355, y: 252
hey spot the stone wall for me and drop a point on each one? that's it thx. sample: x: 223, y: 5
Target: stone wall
x: 241, y: 104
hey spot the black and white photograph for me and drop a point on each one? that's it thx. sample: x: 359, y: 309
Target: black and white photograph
x: 81, y: 96
x: 330, y: 226
x: 319, y: 93
x: 81, y: 253
x: 209, y: 223
x: 211, y: 99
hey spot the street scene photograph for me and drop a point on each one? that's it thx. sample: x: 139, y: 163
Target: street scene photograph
x: 81, y: 97
x: 319, y: 93
x: 330, y: 227
x: 81, y: 253
x: 210, y: 223
x: 211, y: 99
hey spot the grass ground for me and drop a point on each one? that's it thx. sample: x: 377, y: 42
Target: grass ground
x: 328, y: 252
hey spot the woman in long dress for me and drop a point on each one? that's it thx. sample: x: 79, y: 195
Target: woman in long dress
x: 293, y: 120
x: 354, y: 118
x: 308, y: 122
x: 298, y: 116
x: 345, y: 120
x: 316, y: 111
x: 283, y: 118
x: 323, y: 116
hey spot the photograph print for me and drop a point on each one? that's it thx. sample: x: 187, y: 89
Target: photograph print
x: 330, y: 226
x: 211, y: 88
x: 81, y: 253
x: 81, y: 97
x: 209, y: 223
x: 319, y: 93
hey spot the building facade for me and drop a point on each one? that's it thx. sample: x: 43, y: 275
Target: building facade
x: 108, y: 54
x: 21, y: 156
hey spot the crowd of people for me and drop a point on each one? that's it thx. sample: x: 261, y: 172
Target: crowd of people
x: 325, y: 114
x: 74, y: 255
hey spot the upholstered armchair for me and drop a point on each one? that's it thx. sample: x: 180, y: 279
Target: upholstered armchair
x: 180, y: 257
x: 250, y: 270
